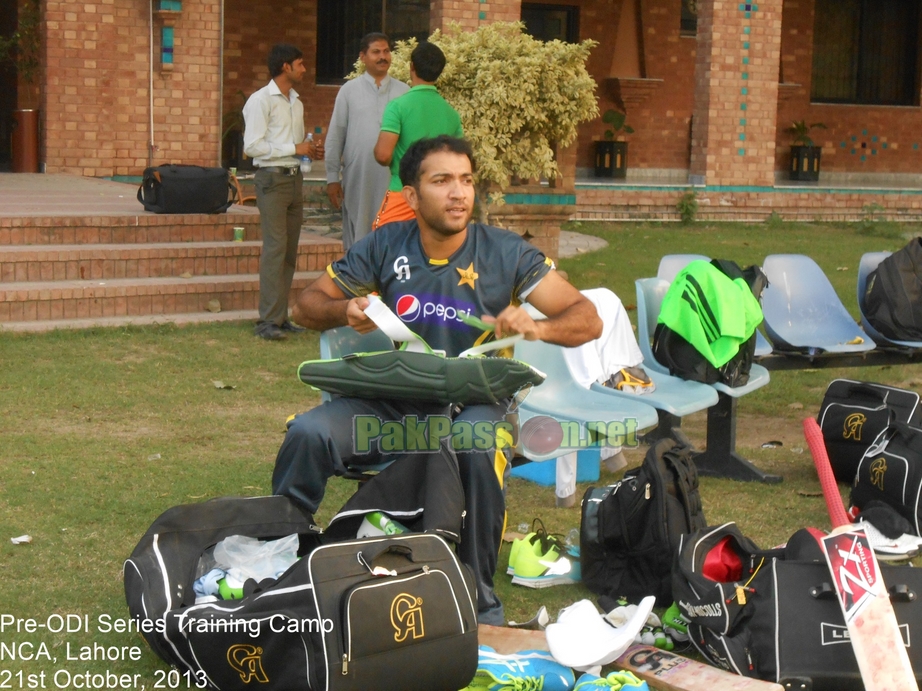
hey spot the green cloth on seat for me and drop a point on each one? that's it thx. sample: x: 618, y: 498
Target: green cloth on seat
x: 713, y: 312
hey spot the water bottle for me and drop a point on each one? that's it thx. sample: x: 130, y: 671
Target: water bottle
x: 306, y: 162
x: 376, y: 523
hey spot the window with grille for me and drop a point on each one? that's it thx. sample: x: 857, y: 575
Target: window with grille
x: 866, y: 52
x: 549, y: 22
x: 689, y: 18
x: 341, y: 24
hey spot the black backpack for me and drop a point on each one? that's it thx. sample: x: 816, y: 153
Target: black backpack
x: 684, y: 360
x: 630, y: 531
x: 893, y: 297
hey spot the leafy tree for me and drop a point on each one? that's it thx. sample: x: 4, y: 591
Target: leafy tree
x: 518, y: 97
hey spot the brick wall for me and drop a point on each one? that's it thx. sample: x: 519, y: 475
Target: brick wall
x: 736, y: 92
x: 96, y: 101
x: 659, y: 105
x: 871, y: 139
x: 250, y: 31
x: 472, y: 13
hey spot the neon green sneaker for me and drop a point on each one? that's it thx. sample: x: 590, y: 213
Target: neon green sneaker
x: 540, y: 543
x: 616, y: 681
x: 544, y: 570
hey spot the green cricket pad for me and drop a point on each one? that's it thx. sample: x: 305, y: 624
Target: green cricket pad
x: 408, y: 376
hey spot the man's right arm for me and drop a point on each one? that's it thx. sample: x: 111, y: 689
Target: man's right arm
x: 323, y: 305
x: 256, y: 126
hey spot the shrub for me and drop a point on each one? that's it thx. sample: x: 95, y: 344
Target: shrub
x: 518, y: 97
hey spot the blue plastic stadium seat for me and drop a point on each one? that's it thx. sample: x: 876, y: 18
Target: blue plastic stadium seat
x: 802, y: 311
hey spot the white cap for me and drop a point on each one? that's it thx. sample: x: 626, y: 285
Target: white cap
x: 581, y: 638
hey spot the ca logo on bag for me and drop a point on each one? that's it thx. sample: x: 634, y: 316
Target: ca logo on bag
x: 878, y: 470
x: 247, y: 662
x: 407, y: 617
x: 853, y: 425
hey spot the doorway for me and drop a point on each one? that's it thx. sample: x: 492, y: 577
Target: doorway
x: 8, y: 23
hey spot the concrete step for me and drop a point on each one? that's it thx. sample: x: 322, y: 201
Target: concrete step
x: 159, y: 260
x: 76, y: 299
x: 141, y: 229
x: 138, y: 320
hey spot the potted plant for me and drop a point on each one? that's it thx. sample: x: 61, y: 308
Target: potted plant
x: 805, y: 155
x: 611, y: 155
x: 23, y: 50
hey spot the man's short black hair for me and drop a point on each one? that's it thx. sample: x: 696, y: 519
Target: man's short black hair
x: 412, y: 160
x: 279, y: 55
x: 373, y: 37
x: 428, y: 61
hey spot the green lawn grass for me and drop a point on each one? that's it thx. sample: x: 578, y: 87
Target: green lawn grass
x: 102, y: 430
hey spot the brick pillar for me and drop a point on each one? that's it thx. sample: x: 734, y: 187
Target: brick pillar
x: 472, y: 13
x: 736, y: 92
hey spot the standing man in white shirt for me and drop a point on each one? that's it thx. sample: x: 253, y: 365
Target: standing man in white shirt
x: 351, y: 139
x: 274, y: 139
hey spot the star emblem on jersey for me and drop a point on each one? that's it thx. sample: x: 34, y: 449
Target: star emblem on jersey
x: 468, y: 276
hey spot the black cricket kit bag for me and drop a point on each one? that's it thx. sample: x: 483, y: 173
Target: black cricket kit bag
x: 184, y: 189
x: 891, y: 472
x: 774, y: 614
x: 893, y: 296
x: 158, y: 588
x: 392, y: 613
x: 854, y: 416
x: 630, y: 531
x: 682, y: 359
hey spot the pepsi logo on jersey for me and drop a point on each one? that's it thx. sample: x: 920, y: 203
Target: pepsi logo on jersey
x: 410, y: 308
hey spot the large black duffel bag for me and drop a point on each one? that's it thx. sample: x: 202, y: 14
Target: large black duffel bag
x: 773, y: 614
x: 182, y: 189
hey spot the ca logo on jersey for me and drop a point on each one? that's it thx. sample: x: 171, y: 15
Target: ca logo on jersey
x: 402, y: 268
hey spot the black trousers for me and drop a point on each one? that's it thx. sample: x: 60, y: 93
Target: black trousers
x: 322, y: 442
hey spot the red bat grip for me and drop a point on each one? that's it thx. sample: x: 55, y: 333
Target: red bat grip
x: 817, y: 446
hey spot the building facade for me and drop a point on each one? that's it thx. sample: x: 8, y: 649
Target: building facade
x: 710, y: 87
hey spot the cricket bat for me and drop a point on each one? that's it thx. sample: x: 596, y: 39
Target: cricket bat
x: 506, y: 640
x: 666, y: 671
x: 872, y: 626
x: 661, y: 670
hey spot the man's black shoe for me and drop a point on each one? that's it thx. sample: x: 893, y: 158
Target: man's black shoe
x: 291, y: 327
x: 270, y: 332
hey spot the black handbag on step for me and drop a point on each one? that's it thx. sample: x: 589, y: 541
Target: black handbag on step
x: 182, y: 189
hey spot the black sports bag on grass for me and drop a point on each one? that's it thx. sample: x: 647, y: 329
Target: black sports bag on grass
x: 774, y: 615
x: 183, y: 189
x: 854, y: 416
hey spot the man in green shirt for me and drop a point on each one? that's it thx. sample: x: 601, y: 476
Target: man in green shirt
x: 421, y: 113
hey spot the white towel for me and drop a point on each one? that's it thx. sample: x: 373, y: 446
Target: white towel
x: 596, y: 361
